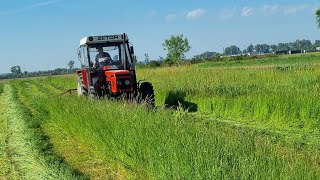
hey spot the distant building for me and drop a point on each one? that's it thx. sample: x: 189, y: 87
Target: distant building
x: 281, y: 52
x: 295, y: 52
x: 290, y: 52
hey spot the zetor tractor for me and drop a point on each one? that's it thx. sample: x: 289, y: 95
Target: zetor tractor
x: 113, y: 75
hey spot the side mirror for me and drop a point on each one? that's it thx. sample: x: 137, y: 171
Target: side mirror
x: 131, y: 50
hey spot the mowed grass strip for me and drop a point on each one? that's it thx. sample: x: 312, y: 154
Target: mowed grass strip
x: 27, y: 149
x: 132, y: 141
x: 7, y: 167
x: 19, y: 156
x: 83, y: 156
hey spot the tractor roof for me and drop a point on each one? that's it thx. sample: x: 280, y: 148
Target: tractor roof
x: 102, y: 39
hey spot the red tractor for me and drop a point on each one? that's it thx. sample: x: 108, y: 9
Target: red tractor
x: 108, y: 69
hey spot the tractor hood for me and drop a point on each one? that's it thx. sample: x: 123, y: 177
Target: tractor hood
x: 117, y: 74
x: 120, y: 80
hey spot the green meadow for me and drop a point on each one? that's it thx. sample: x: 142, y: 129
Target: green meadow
x: 237, y: 119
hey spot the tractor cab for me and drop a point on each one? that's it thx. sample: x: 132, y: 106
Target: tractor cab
x: 119, y: 50
x: 107, y: 66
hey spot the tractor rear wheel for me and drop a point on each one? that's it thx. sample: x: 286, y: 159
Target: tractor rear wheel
x: 146, y: 93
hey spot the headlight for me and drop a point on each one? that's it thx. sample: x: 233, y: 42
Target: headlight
x: 119, y: 83
x: 127, y: 82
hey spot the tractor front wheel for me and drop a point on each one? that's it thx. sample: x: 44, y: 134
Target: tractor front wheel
x: 146, y: 93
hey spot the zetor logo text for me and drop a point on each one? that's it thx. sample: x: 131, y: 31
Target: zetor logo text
x: 113, y: 37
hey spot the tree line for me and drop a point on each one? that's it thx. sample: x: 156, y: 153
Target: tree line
x: 176, y: 46
x: 259, y: 49
x: 16, y: 72
x: 298, y: 45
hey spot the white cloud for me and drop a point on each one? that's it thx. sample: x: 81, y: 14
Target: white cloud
x: 226, y: 14
x: 293, y: 9
x: 247, y: 11
x: 171, y: 17
x: 290, y: 10
x: 29, y: 7
x: 195, y: 14
x: 268, y: 10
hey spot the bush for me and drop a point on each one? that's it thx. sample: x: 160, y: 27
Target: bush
x: 168, y: 62
x: 154, y: 64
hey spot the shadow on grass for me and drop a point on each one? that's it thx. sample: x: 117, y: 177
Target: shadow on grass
x: 174, y: 99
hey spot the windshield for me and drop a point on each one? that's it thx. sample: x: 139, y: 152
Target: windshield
x: 111, y: 56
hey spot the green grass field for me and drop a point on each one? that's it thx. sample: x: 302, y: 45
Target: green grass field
x: 282, y: 94
x: 256, y: 119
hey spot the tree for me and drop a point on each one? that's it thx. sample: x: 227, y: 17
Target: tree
x: 316, y: 45
x: 71, y: 64
x: 146, y: 58
x: 176, y: 47
x: 232, y: 50
x: 207, y: 55
x: 303, y: 45
x: 154, y: 64
x: 160, y: 59
x: 261, y: 48
x: 283, y: 47
x: 16, y: 70
x: 250, y: 48
x: 274, y: 47
x: 265, y: 48
x: 318, y: 18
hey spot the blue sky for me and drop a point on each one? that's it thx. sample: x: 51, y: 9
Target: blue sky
x: 41, y: 35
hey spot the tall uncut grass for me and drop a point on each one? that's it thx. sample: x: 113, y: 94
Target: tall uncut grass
x: 132, y: 141
x: 263, y: 60
x: 281, y: 92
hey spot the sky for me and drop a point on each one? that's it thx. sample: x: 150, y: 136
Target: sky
x: 43, y: 35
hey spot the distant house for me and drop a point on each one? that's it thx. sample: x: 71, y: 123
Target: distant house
x: 295, y: 52
x: 289, y: 52
x: 318, y: 48
x: 251, y: 53
x: 281, y: 52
